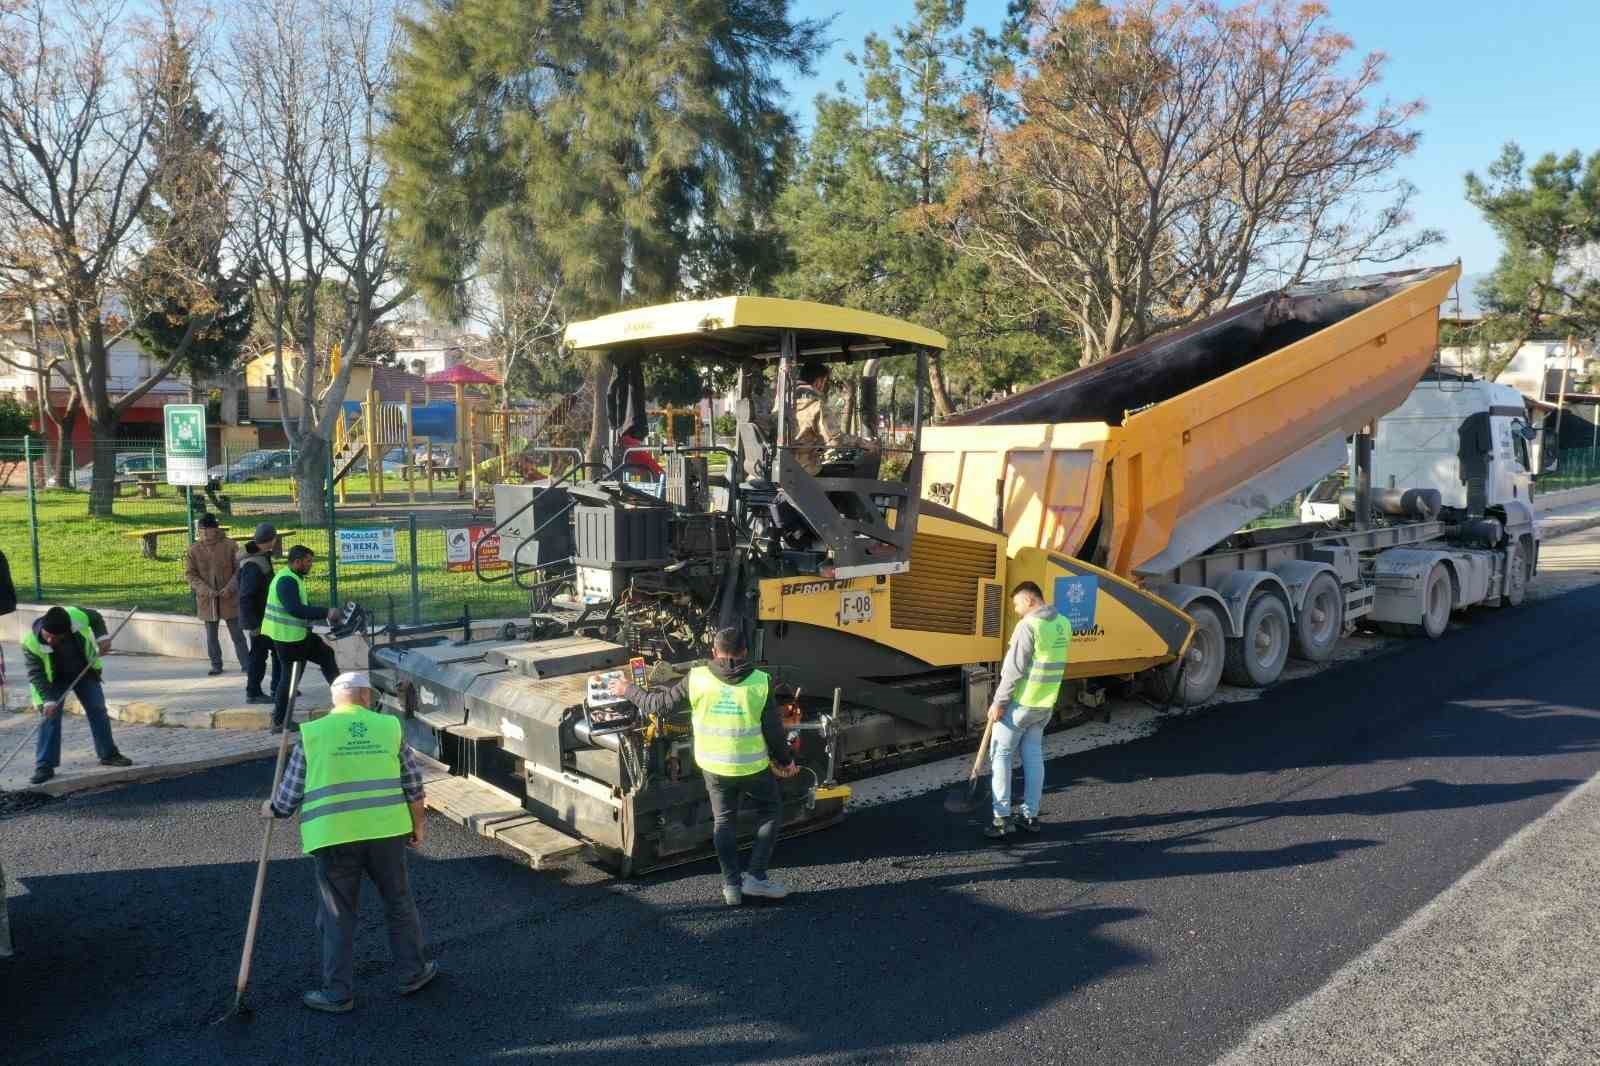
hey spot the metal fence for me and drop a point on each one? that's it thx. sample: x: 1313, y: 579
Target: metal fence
x: 1573, y: 467
x: 405, y: 555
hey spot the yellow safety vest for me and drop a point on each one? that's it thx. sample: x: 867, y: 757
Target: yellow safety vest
x: 727, y: 723
x: 276, y: 621
x: 91, y: 649
x: 1049, y: 664
x: 352, y: 779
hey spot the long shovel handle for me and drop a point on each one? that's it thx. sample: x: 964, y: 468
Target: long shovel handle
x: 266, y: 846
x: 983, y: 749
x: 16, y: 750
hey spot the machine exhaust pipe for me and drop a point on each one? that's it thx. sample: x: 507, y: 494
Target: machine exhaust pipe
x: 1397, y: 503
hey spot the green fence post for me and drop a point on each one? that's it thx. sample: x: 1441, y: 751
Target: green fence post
x: 333, y: 534
x: 33, y: 519
x: 416, y: 586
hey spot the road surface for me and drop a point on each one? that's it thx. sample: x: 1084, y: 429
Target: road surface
x: 1190, y: 890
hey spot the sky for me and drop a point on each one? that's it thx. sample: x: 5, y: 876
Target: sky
x: 1489, y: 71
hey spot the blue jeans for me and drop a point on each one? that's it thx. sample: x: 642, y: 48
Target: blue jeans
x: 47, y: 750
x: 1019, y: 728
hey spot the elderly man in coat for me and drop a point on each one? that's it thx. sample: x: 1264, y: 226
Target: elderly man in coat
x: 212, y: 568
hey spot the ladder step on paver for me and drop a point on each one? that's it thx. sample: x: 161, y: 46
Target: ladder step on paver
x: 498, y: 815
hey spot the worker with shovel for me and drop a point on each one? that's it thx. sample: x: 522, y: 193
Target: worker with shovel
x: 1030, y: 681
x: 359, y: 793
x: 65, y: 644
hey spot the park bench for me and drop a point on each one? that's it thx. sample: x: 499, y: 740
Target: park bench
x: 148, y: 538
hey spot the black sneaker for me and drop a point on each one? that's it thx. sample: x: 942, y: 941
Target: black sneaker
x: 118, y: 759
x: 997, y: 829
x: 41, y: 774
x: 1031, y: 825
x: 257, y: 697
x: 276, y: 729
x: 214, y: 671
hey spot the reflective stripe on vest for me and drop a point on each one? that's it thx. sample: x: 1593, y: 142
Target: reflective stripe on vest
x: 1051, y: 636
x: 727, y: 723
x: 276, y: 621
x: 352, y: 779
x: 91, y: 649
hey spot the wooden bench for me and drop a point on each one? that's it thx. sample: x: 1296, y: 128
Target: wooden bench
x: 148, y: 538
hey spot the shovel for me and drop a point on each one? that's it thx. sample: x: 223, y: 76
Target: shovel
x: 239, y: 1010
x: 62, y: 709
x: 964, y: 797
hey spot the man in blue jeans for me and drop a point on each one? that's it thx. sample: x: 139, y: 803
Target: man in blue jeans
x: 1030, y: 681
x: 62, y: 642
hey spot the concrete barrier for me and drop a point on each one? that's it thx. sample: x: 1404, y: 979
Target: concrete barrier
x: 180, y: 636
x: 1549, y: 501
x: 176, y: 636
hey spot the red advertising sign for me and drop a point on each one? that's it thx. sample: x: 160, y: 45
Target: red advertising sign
x: 461, y: 543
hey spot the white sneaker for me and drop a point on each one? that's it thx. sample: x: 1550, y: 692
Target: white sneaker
x: 764, y: 889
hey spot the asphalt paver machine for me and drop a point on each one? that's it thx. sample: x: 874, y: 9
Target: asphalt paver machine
x: 879, y: 615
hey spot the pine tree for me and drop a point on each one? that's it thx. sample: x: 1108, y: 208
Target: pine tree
x: 640, y: 142
x: 180, y: 284
x: 857, y: 216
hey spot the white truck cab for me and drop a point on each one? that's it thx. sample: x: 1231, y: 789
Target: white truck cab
x: 1464, y: 437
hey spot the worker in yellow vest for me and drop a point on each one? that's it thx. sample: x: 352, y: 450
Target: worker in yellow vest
x: 741, y: 749
x: 1030, y: 681
x: 287, y: 621
x: 359, y: 793
x: 61, y: 644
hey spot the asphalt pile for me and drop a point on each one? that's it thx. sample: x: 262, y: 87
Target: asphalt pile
x: 19, y: 802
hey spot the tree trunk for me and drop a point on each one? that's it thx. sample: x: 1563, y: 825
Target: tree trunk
x: 599, y: 421
x: 63, y: 457
x: 942, y: 407
x: 102, y: 482
x: 311, y: 474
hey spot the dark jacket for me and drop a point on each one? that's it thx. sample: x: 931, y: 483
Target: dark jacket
x: 255, y: 573
x: 8, y: 591
x: 68, y: 655
x: 664, y: 701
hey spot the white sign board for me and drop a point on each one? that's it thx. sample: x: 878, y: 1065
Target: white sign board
x: 367, y: 544
x: 185, y: 443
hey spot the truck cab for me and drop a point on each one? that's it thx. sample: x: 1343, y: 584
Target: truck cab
x: 1465, y: 437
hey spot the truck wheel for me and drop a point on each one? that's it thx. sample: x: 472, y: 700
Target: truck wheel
x: 1256, y: 658
x: 1438, y: 597
x: 1516, y: 589
x: 1320, y: 623
x: 1201, y: 666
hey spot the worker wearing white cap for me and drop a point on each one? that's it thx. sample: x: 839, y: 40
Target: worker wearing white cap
x: 356, y: 784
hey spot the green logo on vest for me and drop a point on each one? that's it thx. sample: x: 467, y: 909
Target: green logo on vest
x: 358, y: 730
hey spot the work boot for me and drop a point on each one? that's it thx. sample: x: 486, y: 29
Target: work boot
x: 257, y: 697
x: 764, y: 887
x: 41, y: 774
x: 320, y: 1000
x: 417, y: 983
x: 214, y: 671
x: 997, y: 829
x: 116, y: 759
x: 1031, y: 824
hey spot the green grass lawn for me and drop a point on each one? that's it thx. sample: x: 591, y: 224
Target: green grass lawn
x: 91, y: 561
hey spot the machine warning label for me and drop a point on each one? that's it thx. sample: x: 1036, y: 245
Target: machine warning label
x: 1075, y: 599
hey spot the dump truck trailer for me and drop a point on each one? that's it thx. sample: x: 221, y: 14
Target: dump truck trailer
x: 1151, y: 462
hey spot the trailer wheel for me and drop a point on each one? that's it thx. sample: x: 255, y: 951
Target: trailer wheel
x: 1320, y: 623
x: 1516, y: 590
x: 1256, y: 657
x: 1201, y: 665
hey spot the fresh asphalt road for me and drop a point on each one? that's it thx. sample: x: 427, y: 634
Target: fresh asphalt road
x: 1187, y: 886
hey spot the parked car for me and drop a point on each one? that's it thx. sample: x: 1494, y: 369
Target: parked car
x: 258, y: 465
x: 127, y: 464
